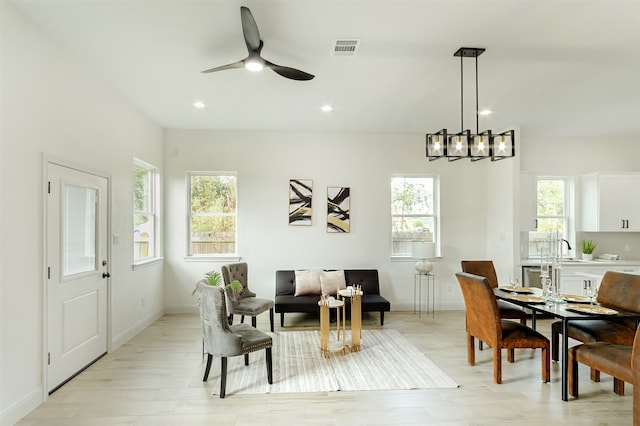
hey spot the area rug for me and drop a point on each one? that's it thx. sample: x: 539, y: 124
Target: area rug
x: 386, y: 360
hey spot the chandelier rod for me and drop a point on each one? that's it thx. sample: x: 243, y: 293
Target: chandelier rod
x: 477, y: 125
x: 461, y: 94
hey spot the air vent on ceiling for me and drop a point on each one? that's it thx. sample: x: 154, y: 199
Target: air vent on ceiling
x: 346, y: 46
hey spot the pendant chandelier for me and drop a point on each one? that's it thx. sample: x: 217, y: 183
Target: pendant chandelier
x: 476, y: 146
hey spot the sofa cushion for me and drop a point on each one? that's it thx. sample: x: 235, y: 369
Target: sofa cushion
x: 308, y: 282
x: 332, y: 281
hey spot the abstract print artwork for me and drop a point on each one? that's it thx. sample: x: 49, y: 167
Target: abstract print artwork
x: 338, y: 209
x: 300, y: 192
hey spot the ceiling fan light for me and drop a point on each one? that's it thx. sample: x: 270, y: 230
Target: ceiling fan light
x: 254, y: 65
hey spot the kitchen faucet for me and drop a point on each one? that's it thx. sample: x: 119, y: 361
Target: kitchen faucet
x: 568, y: 246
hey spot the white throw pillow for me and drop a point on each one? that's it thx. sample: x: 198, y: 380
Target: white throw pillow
x: 332, y: 281
x: 308, y: 282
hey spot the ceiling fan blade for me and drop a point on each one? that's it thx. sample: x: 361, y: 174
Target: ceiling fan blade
x: 239, y: 64
x: 250, y: 30
x: 289, y: 72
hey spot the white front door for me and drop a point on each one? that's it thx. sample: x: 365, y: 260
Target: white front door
x: 77, y: 271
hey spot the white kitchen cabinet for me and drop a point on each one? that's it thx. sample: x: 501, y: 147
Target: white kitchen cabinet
x: 610, y: 202
x: 528, y: 207
x: 571, y: 282
x: 573, y: 277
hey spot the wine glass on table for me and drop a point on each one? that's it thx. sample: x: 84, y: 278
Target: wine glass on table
x: 515, y: 285
x: 591, y: 292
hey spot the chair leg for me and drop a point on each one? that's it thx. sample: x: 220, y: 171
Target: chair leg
x: 546, y: 365
x: 381, y: 317
x: 555, y: 343
x: 223, y: 376
x: 254, y: 322
x: 246, y: 359
x: 594, y: 374
x: 497, y: 365
x: 242, y: 319
x: 230, y: 318
x: 480, y: 345
x: 511, y: 355
x: 523, y: 321
x: 618, y: 386
x: 636, y: 406
x: 269, y: 366
x: 282, y: 319
x: 471, y: 350
x: 573, y: 375
x: 207, y: 368
x: 271, y: 318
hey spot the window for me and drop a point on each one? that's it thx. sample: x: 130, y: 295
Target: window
x: 145, y: 211
x: 413, y: 212
x: 553, y: 215
x: 212, y: 214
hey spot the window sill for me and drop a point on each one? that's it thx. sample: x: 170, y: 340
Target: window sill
x: 411, y: 259
x: 212, y: 258
x: 146, y: 263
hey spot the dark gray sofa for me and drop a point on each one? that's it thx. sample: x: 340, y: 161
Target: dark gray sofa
x: 286, y: 301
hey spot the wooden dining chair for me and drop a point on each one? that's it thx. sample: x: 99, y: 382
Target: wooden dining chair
x: 483, y: 322
x: 485, y: 268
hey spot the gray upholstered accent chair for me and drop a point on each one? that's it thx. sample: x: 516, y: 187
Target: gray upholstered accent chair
x: 224, y: 340
x: 245, y: 303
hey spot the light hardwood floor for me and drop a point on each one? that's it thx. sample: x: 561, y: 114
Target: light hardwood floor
x: 156, y: 379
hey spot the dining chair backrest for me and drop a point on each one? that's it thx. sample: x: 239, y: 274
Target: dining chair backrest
x: 219, y: 339
x: 483, y: 268
x: 620, y: 290
x: 483, y: 315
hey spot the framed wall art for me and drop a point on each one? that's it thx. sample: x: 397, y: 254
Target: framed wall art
x: 338, y: 209
x: 300, y: 194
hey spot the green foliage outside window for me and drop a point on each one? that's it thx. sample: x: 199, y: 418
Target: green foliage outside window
x: 213, y: 214
x: 412, y: 212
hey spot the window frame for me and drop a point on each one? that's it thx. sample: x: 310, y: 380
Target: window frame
x: 435, y: 215
x: 568, y: 217
x: 189, y: 214
x: 153, y: 211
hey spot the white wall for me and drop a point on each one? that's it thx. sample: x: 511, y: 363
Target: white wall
x: 51, y: 105
x: 364, y: 162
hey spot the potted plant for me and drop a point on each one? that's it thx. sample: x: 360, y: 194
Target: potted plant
x: 588, y: 246
x: 215, y: 279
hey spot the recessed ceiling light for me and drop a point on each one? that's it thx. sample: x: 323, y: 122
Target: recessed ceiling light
x: 199, y: 104
x: 486, y: 112
x: 326, y: 108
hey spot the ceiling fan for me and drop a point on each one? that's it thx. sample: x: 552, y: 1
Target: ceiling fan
x: 255, y: 62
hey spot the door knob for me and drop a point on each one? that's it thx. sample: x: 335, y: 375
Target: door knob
x: 106, y: 275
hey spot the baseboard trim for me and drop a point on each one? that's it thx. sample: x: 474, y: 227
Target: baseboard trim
x: 181, y: 309
x: 21, y: 408
x: 126, y: 335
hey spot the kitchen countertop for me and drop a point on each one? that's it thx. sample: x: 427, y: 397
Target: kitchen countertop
x: 585, y: 263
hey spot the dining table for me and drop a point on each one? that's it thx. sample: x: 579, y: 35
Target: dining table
x: 564, y: 308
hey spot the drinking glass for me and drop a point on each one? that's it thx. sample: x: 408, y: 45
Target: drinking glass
x: 591, y: 292
x: 547, y: 288
x: 515, y: 284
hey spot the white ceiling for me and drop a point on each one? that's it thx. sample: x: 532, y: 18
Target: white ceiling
x: 554, y: 68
